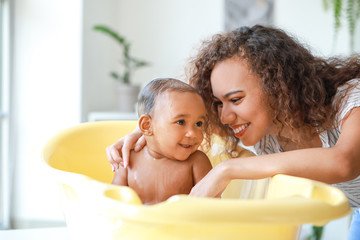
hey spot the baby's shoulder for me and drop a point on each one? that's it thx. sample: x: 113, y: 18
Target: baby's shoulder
x: 138, y: 157
x: 198, y: 157
x: 198, y: 153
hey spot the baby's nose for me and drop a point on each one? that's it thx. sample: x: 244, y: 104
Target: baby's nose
x: 190, y: 133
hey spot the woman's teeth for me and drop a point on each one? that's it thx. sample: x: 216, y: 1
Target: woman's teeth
x: 239, y: 129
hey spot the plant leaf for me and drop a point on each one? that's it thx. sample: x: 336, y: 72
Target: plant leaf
x: 337, y: 14
x: 350, y: 15
x: 128, y: 62
x: 326, y: 4
x: 139, y: 63
x: 106, y: 30
x: 126, y: 77
x: 114, y: 75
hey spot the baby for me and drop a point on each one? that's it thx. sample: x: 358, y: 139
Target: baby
x: 172, y: 117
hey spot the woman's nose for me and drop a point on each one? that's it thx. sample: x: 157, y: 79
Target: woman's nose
x: 227, y: 116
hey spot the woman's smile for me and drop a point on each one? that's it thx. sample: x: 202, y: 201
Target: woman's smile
x: 239, y: 130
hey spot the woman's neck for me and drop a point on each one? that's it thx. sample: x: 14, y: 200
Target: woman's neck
x: 305, y: 141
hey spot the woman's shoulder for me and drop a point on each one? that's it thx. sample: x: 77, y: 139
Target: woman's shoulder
x: 351, y: 85
x: 350, y: 95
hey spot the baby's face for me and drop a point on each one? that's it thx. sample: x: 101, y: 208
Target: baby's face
x: 178, y: 123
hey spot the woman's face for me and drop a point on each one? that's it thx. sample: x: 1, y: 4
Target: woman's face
x: 240, y: 101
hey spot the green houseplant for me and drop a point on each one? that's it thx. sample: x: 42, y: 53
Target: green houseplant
x: 351, y: 9
x: 129, y: 63
x: 126, y: 91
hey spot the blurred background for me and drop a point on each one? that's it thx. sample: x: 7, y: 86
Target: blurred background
x: 55, y: 72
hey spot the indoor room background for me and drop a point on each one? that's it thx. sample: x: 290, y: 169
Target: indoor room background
x: 55, y: 71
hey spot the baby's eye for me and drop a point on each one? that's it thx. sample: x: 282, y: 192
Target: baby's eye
x: 199, y: 124
x: 181, y: 122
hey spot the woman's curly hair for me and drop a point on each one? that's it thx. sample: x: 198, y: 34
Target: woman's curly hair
x: 298, y: 86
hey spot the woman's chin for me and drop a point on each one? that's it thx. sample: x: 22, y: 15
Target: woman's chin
x: 247, y: 143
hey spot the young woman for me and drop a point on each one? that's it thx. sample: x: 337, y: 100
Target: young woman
x: 300, y: 112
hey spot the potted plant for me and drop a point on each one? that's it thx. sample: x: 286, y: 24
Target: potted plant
x: 127, y: 92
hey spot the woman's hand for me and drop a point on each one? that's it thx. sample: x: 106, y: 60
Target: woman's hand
x: 213, y: 184
x: 119, y: 152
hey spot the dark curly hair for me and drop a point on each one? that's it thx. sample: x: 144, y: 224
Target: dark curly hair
x: 298, y: 86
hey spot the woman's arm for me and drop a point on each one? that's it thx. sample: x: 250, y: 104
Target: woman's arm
x: 119, y: 152
x: 331, y: 165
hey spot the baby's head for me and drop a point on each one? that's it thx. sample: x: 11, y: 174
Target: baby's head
x: 172, y: 117
x: 147, y: 97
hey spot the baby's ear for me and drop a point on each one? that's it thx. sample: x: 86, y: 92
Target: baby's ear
x: 145, y: 124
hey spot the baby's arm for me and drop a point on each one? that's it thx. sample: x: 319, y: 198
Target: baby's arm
x: 120, y: 177
x: 201, y: 165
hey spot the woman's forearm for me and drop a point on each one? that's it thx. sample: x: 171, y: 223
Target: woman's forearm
x: 322, y: 164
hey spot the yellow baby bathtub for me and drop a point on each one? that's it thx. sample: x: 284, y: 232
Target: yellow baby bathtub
x: 95, y: 209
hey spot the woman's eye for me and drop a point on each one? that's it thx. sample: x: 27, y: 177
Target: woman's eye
x: 181, y: 122
x: 199, y: 124
x: 235, y: 100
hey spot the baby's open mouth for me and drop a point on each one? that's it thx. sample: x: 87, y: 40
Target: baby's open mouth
x: 186, y: 145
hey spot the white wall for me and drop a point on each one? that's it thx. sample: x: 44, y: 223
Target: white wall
x: 161, y: 31
x: 61, y: 66
x: 45, y: 98
x: 308, y: 20
x: 165, y: 32
x: 4, y: 111
x: 98, y: 57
